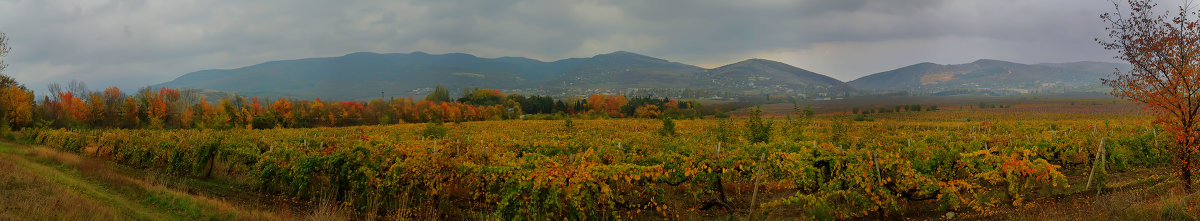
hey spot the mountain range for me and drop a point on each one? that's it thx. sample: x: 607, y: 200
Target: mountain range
x: 364, y: 75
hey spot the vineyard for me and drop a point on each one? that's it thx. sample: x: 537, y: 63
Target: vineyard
x: 969, y: 161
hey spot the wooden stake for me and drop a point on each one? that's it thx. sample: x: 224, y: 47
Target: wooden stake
x: 1155, y: 131
x: 1103, y: 164
x: 718, y: 154
x: 1099, y: 151
x: 754, y: 195
x: 878, y: 175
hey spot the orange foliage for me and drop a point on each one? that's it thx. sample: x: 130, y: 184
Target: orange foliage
x: 112, y: 92
x: 186, y: 118
x: 156, y: 109
x: 647, y: 111
x: 18, y: 109
x: 255, y: 106
x: 1165, y: 78
x: 606, y: 104
x: 283, y: 108
x: 73, y: 107
x: 167, y: 107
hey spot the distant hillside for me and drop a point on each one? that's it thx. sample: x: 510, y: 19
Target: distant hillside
x: 628, y: 70
x: 357, y: 75
x: 363, y: 75
x: 756, y: 73
x: 989, y: 75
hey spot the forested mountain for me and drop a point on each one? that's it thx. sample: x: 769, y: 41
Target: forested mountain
x: 364, y: 75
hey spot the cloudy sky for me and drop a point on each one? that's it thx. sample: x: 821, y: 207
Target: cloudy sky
x: 140, y: 42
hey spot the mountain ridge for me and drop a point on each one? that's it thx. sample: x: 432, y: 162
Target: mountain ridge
x: 364, y: 75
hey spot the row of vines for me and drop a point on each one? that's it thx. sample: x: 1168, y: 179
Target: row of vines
x: 828, y: 167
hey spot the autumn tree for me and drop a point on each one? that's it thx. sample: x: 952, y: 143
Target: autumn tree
x: 671, y: 108
x: 255, y: 106
x: 606, y: 104
x: 186, y: 119
x: 614, y: 103
x: 246, y: 119
x: 1164, y: 50
x: 378, y: 112
x: 318, y: 114
x: 596, y: 103
x: 129, y: 113
x: 231, y: 114
x: 283, y: 109
x: 16, y: 101
x: 155, y: 107
x: 97, y: 109
x: 647, y: 111
x: 16, y: 105
x: 206, y: 114
x: 74, y: 110
x: 112, y: 106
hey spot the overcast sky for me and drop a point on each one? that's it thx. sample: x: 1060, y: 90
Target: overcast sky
x: 136, y: 43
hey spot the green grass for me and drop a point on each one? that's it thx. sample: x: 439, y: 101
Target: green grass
x: 130, y: 198
x: 73, y: 182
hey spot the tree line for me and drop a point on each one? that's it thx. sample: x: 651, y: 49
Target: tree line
x: 78, y: 107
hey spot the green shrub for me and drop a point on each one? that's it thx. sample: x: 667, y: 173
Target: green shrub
x: 757, y: 129
x: 724, y: 131
x: 795, y: 126
x: 668, y: 127
x: 862, y: 117
x: 839, y: 130
x: 434, y: 131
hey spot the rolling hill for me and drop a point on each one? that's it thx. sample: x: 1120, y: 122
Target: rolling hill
x: 627, y: 70
x: 756, y: 73
x: 988, y: 74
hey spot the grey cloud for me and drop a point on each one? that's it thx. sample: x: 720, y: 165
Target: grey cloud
x: 137, y: 43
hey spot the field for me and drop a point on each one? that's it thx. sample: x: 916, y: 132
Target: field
x: 1065, y: 158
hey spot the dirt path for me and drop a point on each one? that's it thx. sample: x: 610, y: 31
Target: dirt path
x: 40, y: 183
